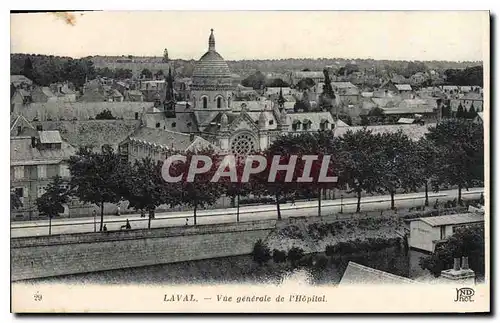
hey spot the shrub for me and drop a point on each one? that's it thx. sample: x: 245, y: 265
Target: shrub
x: 295, y: 254
x: 261, y: 253
x: 279, y: 256
x: 330, y: 250
x: 305, y: 261
x: 320, y: 262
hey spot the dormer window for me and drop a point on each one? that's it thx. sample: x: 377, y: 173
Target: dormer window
x: 173, y: 124
x: 296, y: 125
x: 271, y: 122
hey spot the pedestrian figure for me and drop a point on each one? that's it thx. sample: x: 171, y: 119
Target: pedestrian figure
x: 118, y: 210
x: 187, y: 221
x: 143, y: 214
x: 104, y: 228
x: 126, y: 226
x: 293, y: 200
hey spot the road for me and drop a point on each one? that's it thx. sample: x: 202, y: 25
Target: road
x: 247, y: 213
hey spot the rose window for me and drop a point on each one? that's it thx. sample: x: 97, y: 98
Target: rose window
x: 242, y: 144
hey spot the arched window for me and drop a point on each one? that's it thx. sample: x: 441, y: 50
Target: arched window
x: 219, y: 102
x: 205, y: 102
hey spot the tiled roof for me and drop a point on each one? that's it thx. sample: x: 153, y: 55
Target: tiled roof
x: 403, y: 87
x: 387, y: 102
x: 81, y: 110
x: 95, y: 133
x: 406, y: 120
x: 344, y: 85
x: 356, y: 274
x: 21, y: 152
x: 18, y: 79
x: 160, y: 137
x: 453, y: 219
x: 413, y: 131
x: 50, y: 137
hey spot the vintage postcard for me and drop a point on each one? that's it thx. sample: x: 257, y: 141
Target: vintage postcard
x: 250, y: 162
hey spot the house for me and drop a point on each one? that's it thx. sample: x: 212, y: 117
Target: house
x: 21, y: 96
x: 63, y: 91
x: 418, y: 78
x: 42, y: 94
x: 134, y: 96
x: 410, y: 108
x: 156, y: 143
x: 20, y: 81
x: 426, y: 233
x: 356, y: 274
x: 34, y: 161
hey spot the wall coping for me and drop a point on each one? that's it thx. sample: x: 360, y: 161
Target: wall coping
x: 95, y: 237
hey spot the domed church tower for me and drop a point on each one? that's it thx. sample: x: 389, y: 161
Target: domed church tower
x: 211, y: 89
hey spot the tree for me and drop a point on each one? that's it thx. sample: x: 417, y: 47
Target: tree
x: 465, y: 242
x: 318, y: 144
x: 328, y: 96
x: 165, y: 58
x: 397, y: 150
x: 145, y: 189
x: 145, y: 73
x: 359, y: 162
x: 159, y: 74
x: 423, y: 166
x: 257, y: 81
x: 104, y: 115
x: 97, y: 178
x: 261, y: 253
x: 305, y: 84
x: 200, y: 191
x: 28, y: 68
x: 460, y: 149
x: 460, y: 112
x: 472, y: 112
x: 52, y: 201
x: 239, y: 188
x: 121, y: 73
x: 15, y: 200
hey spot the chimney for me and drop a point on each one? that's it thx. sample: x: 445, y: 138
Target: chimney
x: 191, y: 137
x: 460, y: 274
x: 465, y: 263
x: 33, y: 142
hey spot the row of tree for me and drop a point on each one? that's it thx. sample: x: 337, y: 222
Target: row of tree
x: 451, y: 154
x: 45, y: 70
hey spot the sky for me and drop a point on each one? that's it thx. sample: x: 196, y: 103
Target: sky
x: 396, y: 35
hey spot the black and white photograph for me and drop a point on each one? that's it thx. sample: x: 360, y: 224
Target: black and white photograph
x: 249, y: 161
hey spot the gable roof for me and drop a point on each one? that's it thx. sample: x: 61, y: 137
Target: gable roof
x: 356, y: 274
